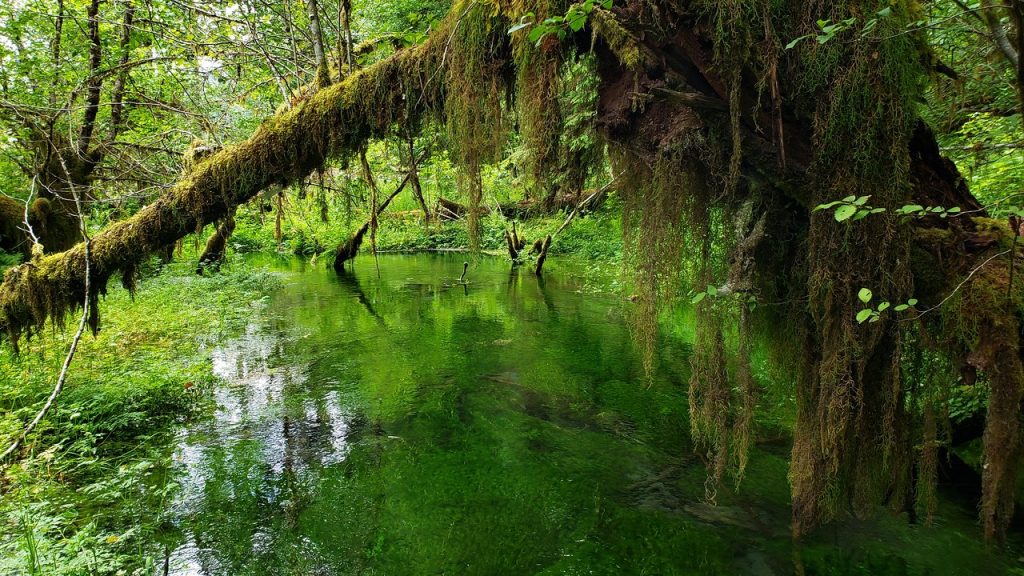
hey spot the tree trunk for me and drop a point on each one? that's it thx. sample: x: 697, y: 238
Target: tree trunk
x: 417, y: 190
x: 350, y: 248
x: 323, y: 75
x: 216, y: 246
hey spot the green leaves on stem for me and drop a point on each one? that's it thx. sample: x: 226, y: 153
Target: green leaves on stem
x: 854, y: 208
x: 574, y: 19
x: 851, y: 208
x: 874, y: 314
x: 829, y: 29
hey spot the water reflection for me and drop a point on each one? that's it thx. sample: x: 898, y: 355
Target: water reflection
x: 407, y: 424
x: 257, y: 451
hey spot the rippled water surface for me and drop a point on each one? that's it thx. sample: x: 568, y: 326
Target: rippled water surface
x: 408, y: 424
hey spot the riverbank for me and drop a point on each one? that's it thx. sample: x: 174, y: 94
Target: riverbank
x: 89, y: 494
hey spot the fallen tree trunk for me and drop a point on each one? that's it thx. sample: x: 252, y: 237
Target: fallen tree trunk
x: 451, y: 210
x: 348, y: 249
x: 285, y: 148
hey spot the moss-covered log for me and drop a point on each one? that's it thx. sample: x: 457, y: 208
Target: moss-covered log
x: 287, y: 147
x: 521, y: 209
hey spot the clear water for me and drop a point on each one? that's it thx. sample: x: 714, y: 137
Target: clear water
x: 408, y: 424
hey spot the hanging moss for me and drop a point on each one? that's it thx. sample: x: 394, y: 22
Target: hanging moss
x: 476, y: 84
x: 537, y: 89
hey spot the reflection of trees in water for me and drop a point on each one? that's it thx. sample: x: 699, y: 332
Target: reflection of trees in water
x: 281, y: 421
x: 250, y: 471
x: 351, y: 282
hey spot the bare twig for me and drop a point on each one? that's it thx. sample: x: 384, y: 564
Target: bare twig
x: 958, y: 286
x: 62, y: 377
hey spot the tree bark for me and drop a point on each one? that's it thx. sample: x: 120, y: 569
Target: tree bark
x: 323, y: 75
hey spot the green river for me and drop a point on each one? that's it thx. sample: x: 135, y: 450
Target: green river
x: 409, y: 424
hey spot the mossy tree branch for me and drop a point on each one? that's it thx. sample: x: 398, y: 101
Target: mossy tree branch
x: 287, y: 147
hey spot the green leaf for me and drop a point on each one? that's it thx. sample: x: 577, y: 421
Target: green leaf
x: 863, y: 315
x: 844, y: 212
x: 912, y: 301
x: 796, y: 41
x: 884, y: 12
x: 865, y: 295
x: 519, y: 27
x: 901, y: 307
x: 861, y: 201
x: 712, y: 291
x: 698, y: 297
x: 883, y: 306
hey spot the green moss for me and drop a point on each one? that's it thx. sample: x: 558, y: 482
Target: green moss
x: 620, y: 41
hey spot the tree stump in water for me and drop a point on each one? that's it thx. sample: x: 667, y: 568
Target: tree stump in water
x: 515, y: 244
x: 348, y: 249
x: 543, y: 255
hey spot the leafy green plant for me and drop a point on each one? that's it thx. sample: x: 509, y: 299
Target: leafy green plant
x: 918, y: 210
x: 574, y: 19
x: 965, y: 401
x: 874, y: 314
x: 851, y: 208
x: 829, y: 29
x: 697, y: 297
x: 855, y: 208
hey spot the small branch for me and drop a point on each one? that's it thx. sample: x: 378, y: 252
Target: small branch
x: 958, y: 286
x: 62, y: 377
x: 694, y: 99
x: 28, y: 225
x: 579, y: 206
